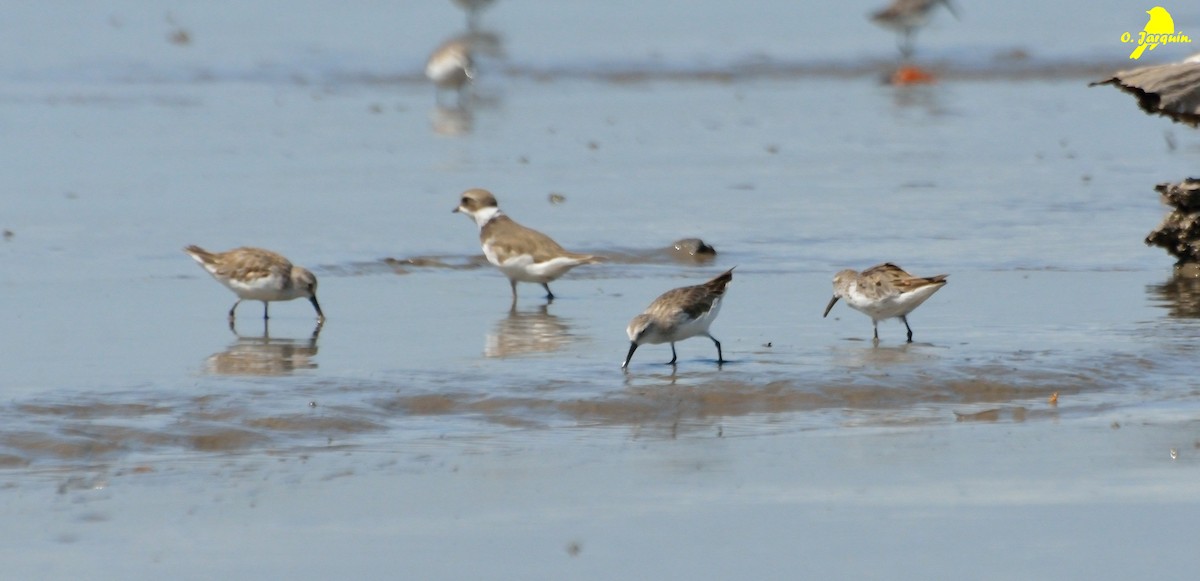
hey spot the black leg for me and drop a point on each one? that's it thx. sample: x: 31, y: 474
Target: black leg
x: 876, y: 331
x: 265, y: 314
x: 905, y: 319
x: 513, y: 284
x: 233, y: 309
x: 549, y: 294
x: 720, y: 358
x: 673, y: 357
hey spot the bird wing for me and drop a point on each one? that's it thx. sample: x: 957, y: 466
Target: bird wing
x: 683, y: 304
x: 512, y: 239
x: 252, y: 264
x: 890, y: 279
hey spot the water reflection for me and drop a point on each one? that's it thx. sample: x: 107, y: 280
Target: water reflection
x: 528, y: 331
x: 926, y: 99
x: 452, y: 121
x: 264, y: 355
x: 1180, y: 295
x: 858, y: 354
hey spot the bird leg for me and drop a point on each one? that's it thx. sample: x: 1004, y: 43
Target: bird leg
x: 265, y: 306
x: 906, y: 44
x: 673, y: 356
x: 720, y: 358
x: 549, y: 295
x: 232, y: 309
x: 905, y: 319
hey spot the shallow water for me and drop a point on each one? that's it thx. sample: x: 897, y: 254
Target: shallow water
x: 124, y: 382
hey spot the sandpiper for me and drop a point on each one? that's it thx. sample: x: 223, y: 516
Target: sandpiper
x: 906, y: 17
x: 522, y: 254
x: 884, y: 291
x: 451, y: 67
x: 677, y: 315
x: 258, y: 275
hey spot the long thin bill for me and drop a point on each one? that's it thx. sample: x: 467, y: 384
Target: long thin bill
x: 317, y: 306
x: 829, y: 306
x: 632, y: 348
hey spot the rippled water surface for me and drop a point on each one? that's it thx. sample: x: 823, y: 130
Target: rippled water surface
x: 1055, y: 371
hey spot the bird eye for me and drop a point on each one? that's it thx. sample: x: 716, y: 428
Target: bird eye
x: 465, y: 200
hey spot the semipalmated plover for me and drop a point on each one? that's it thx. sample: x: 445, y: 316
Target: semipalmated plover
x: 258, y: 275
x: 906, y: 17
x: 522, y: 254
x: 679, y: 314
x: 884, y: 291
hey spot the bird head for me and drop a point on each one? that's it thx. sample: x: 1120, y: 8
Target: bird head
x: 479, y: 204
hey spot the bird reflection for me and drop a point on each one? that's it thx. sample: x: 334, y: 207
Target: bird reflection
x: 527, y: 331
x: 452, y: 121
x: 921, y: 99
x: 264, y: 355
x: 1180, y: 296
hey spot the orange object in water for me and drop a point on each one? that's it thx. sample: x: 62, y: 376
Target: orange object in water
x: 910, y: 75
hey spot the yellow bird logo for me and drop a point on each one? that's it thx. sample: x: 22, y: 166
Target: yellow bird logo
x: 1160, y: 23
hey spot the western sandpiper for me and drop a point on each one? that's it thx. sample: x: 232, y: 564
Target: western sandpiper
x: 906, y: 17
x: 522, y: 254
x: 451, y: 67
x: 884, y: 291
x: 679, y: 314
x: 258, y: 275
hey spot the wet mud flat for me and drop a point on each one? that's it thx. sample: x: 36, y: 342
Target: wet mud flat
x: 594, y: 502
x: 478, y: 369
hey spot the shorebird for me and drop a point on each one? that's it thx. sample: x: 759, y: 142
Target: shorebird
x: 258, y: 275
x: 884, y: 291
x: 522, y: 254
x: 679, y: 314
x: 906, y: 17
x: 451, y: 67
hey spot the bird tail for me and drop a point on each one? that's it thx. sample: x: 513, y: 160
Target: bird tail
x: 717, y: 285
x: 201, y: 255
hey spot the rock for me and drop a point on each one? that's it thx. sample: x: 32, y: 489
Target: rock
x: 1179, y: 233
x: 693, y: 249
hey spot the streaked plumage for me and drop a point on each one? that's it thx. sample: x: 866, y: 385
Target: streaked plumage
x: 679, y: 314
x: 522, y: 254
x: 906, y: 17
x: 884, y: 291
x: 258, y: 275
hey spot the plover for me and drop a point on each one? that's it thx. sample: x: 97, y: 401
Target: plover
x: 884, y: 291
x: 258, y: 275
x: 906, y: 17
x: 522, y: 254
x: 451, y: 67
x: 679, y: 314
